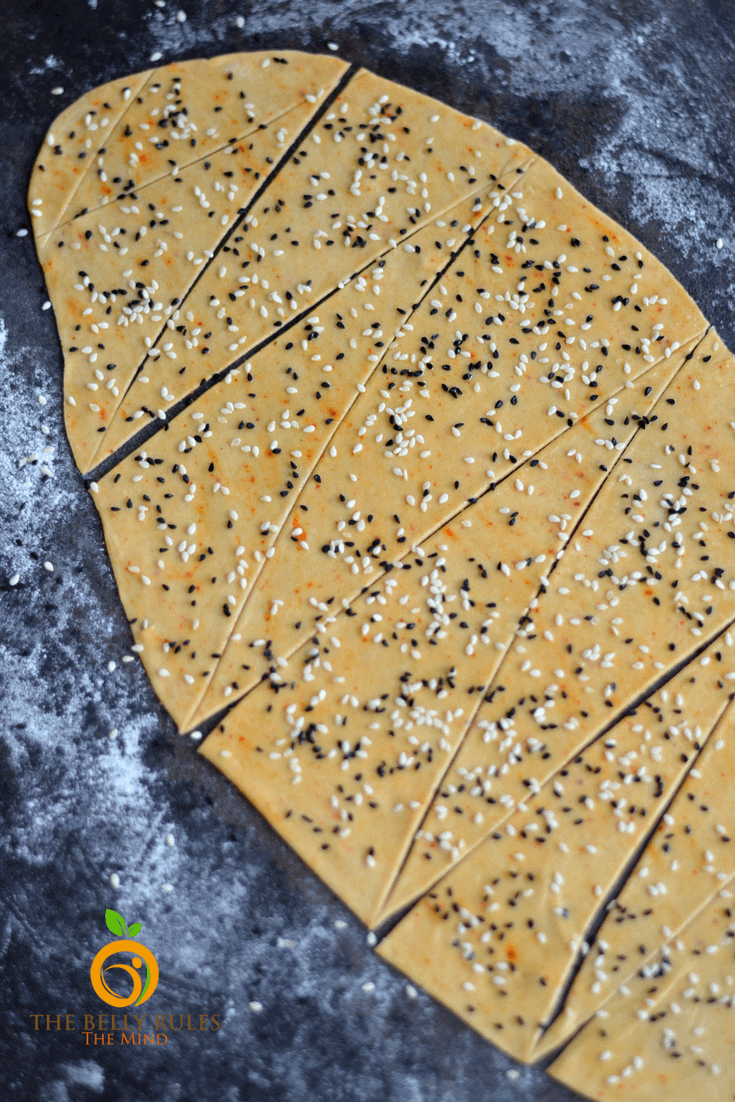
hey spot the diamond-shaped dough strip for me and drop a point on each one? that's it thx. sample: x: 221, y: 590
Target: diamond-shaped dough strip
x: 227, y: 473
x: 323, y: 218
x: 484, y: 394
x: 115, y: 276
x: 368, y: 714
x: 686, y: 862
x: 596, y: 644
x: 496, y: 939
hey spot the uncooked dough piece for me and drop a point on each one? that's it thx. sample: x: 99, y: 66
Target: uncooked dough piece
x: 492, y: 383
x: 368, y: 714
x: 669, y: 1032
x: 469, y: 339
x: 497, y: 938
x: 625, y: 602
x: 383, y: 162
x: 232, y: 464
x: 70, y: 147
x: 179, y: 114
x: 116, y: 276
x: 686, y: 863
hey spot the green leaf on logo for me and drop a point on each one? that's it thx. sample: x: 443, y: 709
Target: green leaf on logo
x: 134, y: 929
x: 115, y: 922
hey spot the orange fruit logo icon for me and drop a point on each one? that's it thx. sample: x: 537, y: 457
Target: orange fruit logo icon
x: 143, y: 986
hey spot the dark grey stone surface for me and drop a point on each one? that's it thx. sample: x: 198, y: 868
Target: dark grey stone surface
x: 633, y: 103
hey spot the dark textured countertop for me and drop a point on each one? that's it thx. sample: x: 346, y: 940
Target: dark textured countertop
x: 633, y: 103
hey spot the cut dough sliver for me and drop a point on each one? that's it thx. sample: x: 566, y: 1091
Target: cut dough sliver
x: 484, y: 395
x: 116, y: 277
x: 177, y: 115
x: 670, y: 1029
x: 232, y: 464
x: 369, y: 713
x: 497, y: 938
x: 625, y: 603
x: 70, y: 146
x: 686, y: 863
x: 325, y: 217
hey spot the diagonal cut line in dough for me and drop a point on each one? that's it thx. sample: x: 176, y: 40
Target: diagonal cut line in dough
x: 88, y: 161
x: 202, y: 272
x: 590, y: 934
x: 629, y: 932
x: 636, y: 1008
x: 89, y: 164
x: 637, y: 702
x: 134, y: 443
x: 197, y: 717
